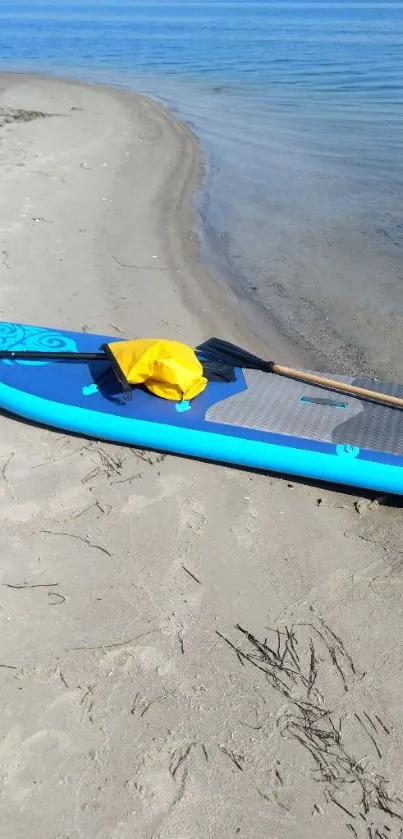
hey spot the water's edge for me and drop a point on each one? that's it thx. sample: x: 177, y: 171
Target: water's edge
x: 298, y: 107
x: 309, y: 328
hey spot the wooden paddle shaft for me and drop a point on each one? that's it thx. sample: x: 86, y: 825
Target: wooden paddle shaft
x: 353, y: 390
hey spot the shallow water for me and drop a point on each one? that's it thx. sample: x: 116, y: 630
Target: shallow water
x: 299, y: 109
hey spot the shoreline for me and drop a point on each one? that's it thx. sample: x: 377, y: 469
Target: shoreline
x: 125, y: 712
x: 266, y: 313
x: 202, y: 288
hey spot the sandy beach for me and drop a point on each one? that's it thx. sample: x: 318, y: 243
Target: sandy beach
x: 125, y: 712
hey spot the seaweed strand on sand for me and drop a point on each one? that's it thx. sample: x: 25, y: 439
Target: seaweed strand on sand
x: 294, y: 667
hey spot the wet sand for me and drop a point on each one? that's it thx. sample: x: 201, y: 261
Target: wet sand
x: 125, y: 711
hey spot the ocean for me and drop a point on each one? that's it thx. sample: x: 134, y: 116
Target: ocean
x: 299, y: 110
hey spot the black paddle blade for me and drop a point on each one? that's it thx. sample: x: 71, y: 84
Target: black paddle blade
x: 216, y: 348
x: 215, y: 370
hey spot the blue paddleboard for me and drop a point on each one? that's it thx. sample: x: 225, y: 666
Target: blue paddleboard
x: 260, y: 420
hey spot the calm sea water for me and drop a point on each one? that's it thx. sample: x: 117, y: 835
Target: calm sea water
x: 299, y: 108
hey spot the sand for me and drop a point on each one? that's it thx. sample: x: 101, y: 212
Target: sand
x: 125, y: 713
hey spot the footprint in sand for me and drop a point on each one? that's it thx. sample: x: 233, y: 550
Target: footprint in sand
x: 20, y: 513
x: 157, y: 491
x: 191, y: 516
x: 248, y: 527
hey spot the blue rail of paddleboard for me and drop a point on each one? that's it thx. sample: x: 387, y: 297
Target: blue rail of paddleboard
x: 65, y: 395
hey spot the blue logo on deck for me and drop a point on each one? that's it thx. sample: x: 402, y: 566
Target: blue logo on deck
x: 346, y: 450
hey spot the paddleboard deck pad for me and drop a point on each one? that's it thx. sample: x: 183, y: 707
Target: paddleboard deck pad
x: 260, y: 420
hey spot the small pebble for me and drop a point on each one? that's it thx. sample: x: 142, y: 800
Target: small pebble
x: 363, y: 505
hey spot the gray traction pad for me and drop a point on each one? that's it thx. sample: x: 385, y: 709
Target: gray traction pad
x: 272, y: 403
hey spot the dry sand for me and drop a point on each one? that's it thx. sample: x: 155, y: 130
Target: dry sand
x: 124, y: 713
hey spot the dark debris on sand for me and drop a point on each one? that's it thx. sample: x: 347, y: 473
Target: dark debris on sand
x: 293, y: 664
x: 10, y: 115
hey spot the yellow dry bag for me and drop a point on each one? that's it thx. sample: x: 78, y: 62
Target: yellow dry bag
x: 168, y: 369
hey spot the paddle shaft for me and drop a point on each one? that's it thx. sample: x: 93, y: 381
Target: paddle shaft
x: 323, y: 381
x: 48, y: 355
x: 279, y: 369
